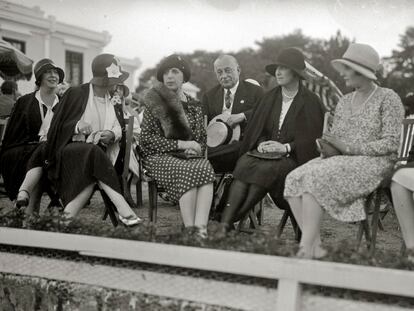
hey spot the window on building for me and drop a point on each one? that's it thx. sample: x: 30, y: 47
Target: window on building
x: 20, y: 45
x: 74, y: 68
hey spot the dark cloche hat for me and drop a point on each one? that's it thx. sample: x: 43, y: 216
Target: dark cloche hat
x: 174, y: 61
x: 290, y: 57
x: 107, y: 71
x: 44, y: 65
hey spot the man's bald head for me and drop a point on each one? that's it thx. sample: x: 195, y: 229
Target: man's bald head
x: 227, y: 70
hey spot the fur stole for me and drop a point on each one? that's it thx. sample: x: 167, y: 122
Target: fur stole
x: 166, y: 106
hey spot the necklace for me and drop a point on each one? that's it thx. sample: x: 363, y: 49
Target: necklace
x: 289, y: 96
x: 365, y: 101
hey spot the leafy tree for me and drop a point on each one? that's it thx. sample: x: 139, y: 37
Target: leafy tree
x: 253, y: 61
x: 399, y: 67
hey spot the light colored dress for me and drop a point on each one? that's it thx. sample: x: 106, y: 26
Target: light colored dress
x: 340, y: 184
x: 405, y: 177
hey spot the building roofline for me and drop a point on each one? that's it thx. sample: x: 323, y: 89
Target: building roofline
x: 36, y: 17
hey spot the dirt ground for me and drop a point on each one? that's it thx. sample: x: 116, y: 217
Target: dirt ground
x: 169, y: 222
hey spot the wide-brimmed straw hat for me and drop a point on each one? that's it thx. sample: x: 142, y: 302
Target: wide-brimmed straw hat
x: 174, y: 61
x: 220, y: 133
x: 44, y: 65
x: 290, y: 57
x: 107, y: 71
x: 360, y: 57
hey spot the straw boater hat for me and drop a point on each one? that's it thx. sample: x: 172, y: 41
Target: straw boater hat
x: 360, y: 57
x: 220, y: 133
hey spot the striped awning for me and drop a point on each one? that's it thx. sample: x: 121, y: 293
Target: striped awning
x: 322, y: 86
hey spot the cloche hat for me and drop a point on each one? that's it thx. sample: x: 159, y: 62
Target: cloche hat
x: 174, y: 61
x: 361, y: 58
x: 290, y: 57
x: 44, y: 65
x: 107, y: 71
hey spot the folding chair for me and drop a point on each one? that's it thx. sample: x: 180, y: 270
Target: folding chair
x: 406, y: 142
x: 287, y: 215
x: 255, y: 217
x: 153, y: 189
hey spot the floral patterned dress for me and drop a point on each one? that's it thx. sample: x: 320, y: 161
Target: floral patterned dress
x: 175, y: 175
x: 340, y: 184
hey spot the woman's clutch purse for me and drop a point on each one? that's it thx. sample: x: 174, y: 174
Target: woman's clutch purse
x: 326, y: 149
x: 265, y: 156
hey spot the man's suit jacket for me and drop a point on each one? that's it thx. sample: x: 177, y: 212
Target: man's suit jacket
x: 245, y: 99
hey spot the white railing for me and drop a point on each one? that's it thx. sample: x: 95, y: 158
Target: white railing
x: 291, y: 273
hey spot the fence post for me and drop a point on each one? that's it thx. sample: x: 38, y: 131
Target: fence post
x: 289, y: 295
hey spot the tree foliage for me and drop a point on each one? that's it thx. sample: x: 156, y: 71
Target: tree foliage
x: 397, y: 74
x: 399, y: 67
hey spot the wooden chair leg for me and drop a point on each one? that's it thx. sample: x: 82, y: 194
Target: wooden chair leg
x: 374, y: 224
x: 367, y: 232
x: 260, y: 213
x: 254, y: 224
x: 152, y: 190
x: 296, y: 229
x: 127, y: 192
x: 380, y: 225
x: 403, y: 249
x: 359, y: 235
x: 282, y: 224
x: 138, y: 188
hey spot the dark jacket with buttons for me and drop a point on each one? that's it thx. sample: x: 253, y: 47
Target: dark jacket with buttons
x: 302, y: 125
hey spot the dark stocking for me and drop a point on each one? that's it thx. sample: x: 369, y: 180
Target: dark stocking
x: 254, y: 195
x: 237, y: 195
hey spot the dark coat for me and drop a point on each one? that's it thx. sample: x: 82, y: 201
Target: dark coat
x: 20, y: 140
x: 303, y: 124
x: 62, y: 128
x: 245, y: 100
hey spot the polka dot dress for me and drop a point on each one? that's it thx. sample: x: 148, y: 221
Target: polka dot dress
x: 176, y: 176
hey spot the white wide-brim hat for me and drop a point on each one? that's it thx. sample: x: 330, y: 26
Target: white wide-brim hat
x: 361, y: 58
x: 220, y: 133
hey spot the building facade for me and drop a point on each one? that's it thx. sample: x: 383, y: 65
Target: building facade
x: 71, y: 47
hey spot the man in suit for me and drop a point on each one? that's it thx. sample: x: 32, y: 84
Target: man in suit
x: 234, y: 97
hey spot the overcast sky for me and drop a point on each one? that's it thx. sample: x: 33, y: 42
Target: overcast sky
x: 152, y: 29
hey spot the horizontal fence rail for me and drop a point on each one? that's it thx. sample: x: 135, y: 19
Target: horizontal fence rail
x: 291, y: 273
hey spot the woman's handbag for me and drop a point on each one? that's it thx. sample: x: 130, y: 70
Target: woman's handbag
x: 265, y: 155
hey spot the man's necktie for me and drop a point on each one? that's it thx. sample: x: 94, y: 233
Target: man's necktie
x: 227, y: 99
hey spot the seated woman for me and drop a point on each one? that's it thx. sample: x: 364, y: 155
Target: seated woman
x: 365, y: 131
x: 402, y: 189
x: 280, y: 136
x: 27, y: 127
x: 82, y: 141
x: 173, y: 122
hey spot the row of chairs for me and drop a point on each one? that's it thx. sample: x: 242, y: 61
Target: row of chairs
x: 368, y: 228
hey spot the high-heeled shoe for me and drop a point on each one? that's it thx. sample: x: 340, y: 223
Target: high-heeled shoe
x: 22, y: 199
x: 130, y: 221
x: 201, y: 232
